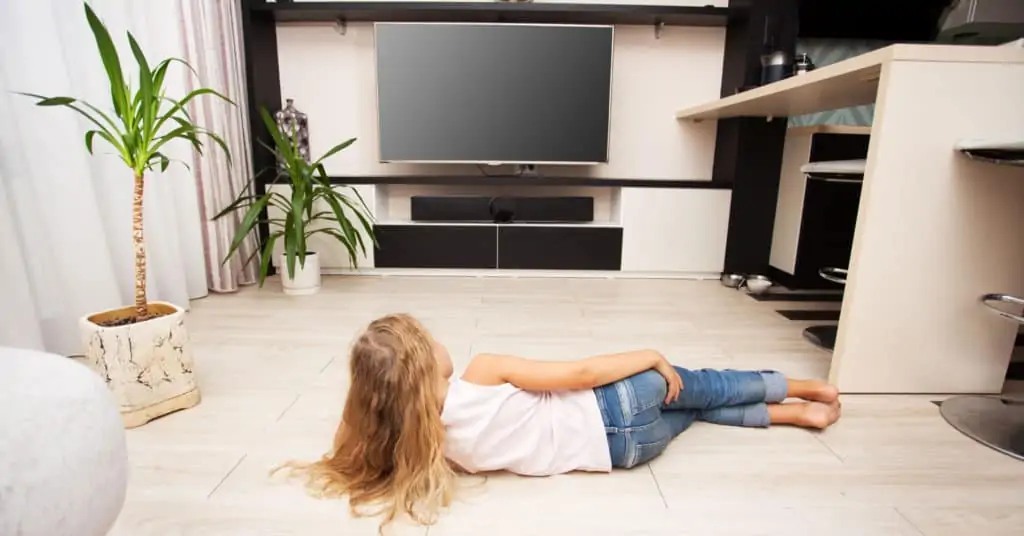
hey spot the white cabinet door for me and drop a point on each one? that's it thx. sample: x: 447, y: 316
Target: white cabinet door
x: 674, y: 230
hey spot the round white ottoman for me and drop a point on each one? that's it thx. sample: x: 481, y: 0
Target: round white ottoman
x: 63, y: 463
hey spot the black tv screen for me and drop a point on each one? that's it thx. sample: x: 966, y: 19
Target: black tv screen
x: 493, y: 93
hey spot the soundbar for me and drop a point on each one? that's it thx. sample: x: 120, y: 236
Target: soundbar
x: 502, y: 209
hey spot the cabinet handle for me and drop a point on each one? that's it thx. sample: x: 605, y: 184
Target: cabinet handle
x: 990, y: 299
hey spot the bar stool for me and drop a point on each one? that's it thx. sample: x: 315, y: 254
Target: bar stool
x: 842, y: 171
x: 993, y: 421
x: 825, y: 336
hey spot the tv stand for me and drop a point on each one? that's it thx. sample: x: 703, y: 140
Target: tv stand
x: 509, y: 246
x: 522, y: 232
x: 635, y: 231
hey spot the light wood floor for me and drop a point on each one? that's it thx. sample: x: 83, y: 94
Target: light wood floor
x: 273, y: 370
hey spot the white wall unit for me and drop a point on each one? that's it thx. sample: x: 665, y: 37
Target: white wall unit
x: 332, y: 78
x: 672, y: 230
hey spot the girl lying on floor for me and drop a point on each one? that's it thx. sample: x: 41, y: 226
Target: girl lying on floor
x: 407, y: 427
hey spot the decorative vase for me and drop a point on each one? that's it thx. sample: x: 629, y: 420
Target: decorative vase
x: 294, y: 124
x: 307, y: 277
x: 148, y: 365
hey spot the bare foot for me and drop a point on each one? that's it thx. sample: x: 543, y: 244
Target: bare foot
x: 818, y: 391
x: 819, y: 415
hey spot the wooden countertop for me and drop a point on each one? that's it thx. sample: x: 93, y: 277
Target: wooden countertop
x: 850, y: 82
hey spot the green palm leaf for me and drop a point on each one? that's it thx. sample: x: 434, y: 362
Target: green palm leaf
x: 347, y: 220
x: 268, y: 253
x: 135, y: 129
x: 111, y: 63
x: 330, y: 152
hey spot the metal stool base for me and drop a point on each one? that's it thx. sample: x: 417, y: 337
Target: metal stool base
x: 992, y: 421
x: 822, y: 336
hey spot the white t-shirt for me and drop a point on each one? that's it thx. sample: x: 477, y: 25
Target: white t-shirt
x: 502, y: 427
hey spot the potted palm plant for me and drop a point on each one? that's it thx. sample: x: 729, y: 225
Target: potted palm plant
x: 142, y: 351
x: 299, y: 204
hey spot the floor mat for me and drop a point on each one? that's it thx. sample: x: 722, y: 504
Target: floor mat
x: 802, y: 314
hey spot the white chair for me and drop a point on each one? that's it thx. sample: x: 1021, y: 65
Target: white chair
x: 63, y: 462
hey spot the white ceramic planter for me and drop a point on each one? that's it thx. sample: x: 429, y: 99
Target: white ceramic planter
x: 307, y: 277
x: 148, y: 365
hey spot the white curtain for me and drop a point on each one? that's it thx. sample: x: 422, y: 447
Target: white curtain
x: 212, y: 34
x: 65, y: 216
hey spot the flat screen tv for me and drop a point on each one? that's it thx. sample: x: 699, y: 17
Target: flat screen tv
x: 493, y: 93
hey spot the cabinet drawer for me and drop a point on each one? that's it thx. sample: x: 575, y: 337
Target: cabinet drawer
x: 436, y: 246
x: 559, y: 248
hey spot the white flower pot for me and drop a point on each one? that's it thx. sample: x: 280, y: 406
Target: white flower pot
x: 307, y: 277
x: 147, y: 365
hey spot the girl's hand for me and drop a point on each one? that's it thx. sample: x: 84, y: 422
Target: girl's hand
x: 675, y: 383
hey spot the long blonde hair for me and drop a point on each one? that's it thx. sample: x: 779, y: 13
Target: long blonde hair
x: 388, y: 454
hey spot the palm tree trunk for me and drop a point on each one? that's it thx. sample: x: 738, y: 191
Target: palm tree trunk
x: 139, y: 245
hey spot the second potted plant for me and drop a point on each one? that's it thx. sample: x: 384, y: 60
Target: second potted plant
x: 311, y: 206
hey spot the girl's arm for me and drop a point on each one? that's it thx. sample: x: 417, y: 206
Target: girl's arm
x: 489, y: 369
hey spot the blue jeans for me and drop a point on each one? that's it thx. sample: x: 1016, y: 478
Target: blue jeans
x: 640, y: 425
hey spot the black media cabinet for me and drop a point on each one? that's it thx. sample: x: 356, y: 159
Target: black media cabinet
x: 513, y: 246
x: 500, y: 232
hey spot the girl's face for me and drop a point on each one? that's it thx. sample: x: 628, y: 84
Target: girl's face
x: 444, y: 361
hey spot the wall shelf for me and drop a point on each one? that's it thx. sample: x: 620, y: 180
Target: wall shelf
x: 571, y: 225
x: 286, y: 11
x: 518, y: 180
